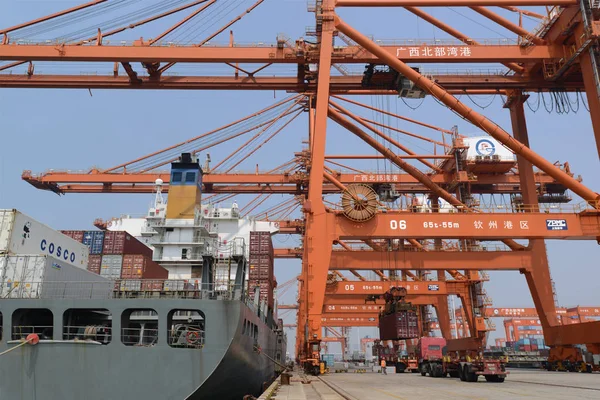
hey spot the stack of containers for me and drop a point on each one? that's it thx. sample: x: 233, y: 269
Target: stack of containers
x: 118, y: 255
x: 94, y: 241
x: 261, y: 266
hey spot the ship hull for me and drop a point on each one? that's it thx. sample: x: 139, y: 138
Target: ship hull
x: 226, y: 368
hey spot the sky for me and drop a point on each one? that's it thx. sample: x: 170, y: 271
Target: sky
x: 78, y: 129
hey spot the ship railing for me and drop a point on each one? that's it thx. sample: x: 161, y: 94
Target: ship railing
x: 97, y: 333
x: 124, y: 288
x: 20, y: 332
x: 57, y: 290
x: 139, y: 337
x: 176, y: 288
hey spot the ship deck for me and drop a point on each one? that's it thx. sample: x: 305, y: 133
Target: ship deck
x: 520, y: 384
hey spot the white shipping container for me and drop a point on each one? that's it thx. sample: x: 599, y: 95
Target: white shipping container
x: 131, y: 285
x: 20, y: 234
x: 174, y: 285
x: 45, y: 277
x: 487, y: 146
x: 111, y: 266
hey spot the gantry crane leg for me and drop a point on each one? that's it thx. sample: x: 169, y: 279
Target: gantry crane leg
x: 318, y: 241
x: 443, y: 315
x: 592, y: 89
x: 560, y: 338
x: 538, y: 277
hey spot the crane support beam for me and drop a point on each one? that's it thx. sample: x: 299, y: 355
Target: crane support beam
x: 269, y: 179
x: 484, y: 226
x: 352, y: 307
x: 248, y: 189
x: 347, y: 321
x: 270, y: 54
x: 97, y: 182
x: 431, y: 260
x: 347, y: 85
x: 364, y: 288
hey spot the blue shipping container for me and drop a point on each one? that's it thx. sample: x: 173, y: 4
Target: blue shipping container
x: 94, y: 240
x: 328, y: 358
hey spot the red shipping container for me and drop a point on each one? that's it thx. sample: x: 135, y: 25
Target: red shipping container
x: 94, y: 263
x: 264, y: 260
x: 75, y: 235
x: 123, y: 243
x: 399, y: 325
x: 258, y: 273
x: 153, y: 285
x: 138, y: 266
x: 261, y: 243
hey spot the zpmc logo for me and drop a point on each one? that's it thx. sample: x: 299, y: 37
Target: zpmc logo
x: 485, y: 147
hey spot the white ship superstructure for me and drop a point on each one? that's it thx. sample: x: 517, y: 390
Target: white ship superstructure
x: 181, y: 245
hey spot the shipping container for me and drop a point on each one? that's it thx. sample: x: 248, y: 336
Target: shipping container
x: 119, y: 242
x: 95, y: 263
x: 403, y: 324
x: 94, y: 240
x: 139, y: 266
x: 44, y: 277
x: 174, y: 285
x: 133, y: 285
x: 22, y: 235
x: 328, y: 359
x: 261, y: 267
x: 261, y: 243
x: 153, y: 285
x: 75, y: 235
x: 111, y: 266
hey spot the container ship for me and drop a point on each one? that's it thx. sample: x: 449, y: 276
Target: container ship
x: 177, y: 305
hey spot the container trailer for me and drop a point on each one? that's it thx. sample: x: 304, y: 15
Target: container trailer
x: 435, y: 361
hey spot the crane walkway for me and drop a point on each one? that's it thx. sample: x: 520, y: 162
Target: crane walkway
x: 520, y: 384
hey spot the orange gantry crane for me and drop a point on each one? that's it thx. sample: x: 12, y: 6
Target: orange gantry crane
x: 559, y: 57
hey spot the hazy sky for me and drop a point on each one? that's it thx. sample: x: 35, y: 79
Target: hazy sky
x: 70, y: 129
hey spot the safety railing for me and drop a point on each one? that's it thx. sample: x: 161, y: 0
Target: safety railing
x: 545, y: 208
x: 45, y: 332
x: 446, y: 42
x: 140, y: 337
x: 123, y: 288
x: 186, y: 336
x: 503, y: 208
x: 57, y: 290
x: 176, y: 288
x: 96, y: 333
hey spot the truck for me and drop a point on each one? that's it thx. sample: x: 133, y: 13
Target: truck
x: 438, y: 363
x: 431, y: 358
x: 407, y: 363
